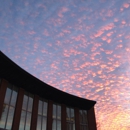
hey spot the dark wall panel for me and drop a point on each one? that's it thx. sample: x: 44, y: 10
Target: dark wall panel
x: 77, y: 124
x: 63, y: 117
x: 34, y: 113
x: 17, y: 114
x: 91, y: 119
x: 3, y: 87
x: 49, y: 118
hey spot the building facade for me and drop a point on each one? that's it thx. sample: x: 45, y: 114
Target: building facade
x: 26, y: 103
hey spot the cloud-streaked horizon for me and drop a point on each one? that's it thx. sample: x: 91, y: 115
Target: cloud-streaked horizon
x: 79, y: 46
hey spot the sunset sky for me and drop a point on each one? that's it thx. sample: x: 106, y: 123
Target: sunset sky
x: 79, y: 46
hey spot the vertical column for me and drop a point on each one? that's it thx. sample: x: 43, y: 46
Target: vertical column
x: 63, y: 117
x: 34, y: 113
x: 91, y: 119
x: 3, y: 87
x: 49, y: 115
x: 77, y: 123
x: 17, y: 114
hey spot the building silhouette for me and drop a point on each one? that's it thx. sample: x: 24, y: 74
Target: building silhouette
x: 26, y: 103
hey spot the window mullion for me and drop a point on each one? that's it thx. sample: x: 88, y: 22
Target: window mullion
x: 56, y: 117
x: 82, y: 117
x: 42, y: 115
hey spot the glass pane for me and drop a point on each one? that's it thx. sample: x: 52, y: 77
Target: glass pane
x: 44, y: 121
x: 10, y: 118
x: 25, y: 101
x: 45, y: 109
x: 13, y: 98
x: 72, y: 115
x: 22, y: 120
x: 81, y: 127
x: 28, y: 121
x: 39, y: 123
x: 67, y: 114
x: 73, y: 126
x: 80, y: 116
x: 3, y: 116
x: 7, y: 96
x: 54, y: 125
x: 40, y: 107
x: 54, y: 111
x: 85, y: 127
x: 30, y: 104
x: 85, y: 117
x: 68, y: 126
x: 59, y: 112
x: 58, y: 125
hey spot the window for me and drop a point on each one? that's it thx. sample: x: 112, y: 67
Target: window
x: 6, y: 118
x: 83, y: 120
x: 70, y: 118
x: 26, y: 112
x: 56, y: 116
x: 42, y: 115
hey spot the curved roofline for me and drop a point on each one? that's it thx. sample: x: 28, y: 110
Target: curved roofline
x: 19, y: 77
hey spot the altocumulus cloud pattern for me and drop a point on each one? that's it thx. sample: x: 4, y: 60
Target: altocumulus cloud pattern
x: 79, y: 46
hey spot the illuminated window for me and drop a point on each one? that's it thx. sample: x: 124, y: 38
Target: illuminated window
x: 6, y: 118
x: 42, y: 115
x: 70, y: 118
x: 56, y: 125
x: 83, y: 120
x: 26, y: 112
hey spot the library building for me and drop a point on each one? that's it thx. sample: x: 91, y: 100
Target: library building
x: 27, y: 103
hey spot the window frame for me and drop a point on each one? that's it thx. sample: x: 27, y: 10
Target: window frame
x: 26, y: 111
x: 42, y: 114
x: 13, y: 89
x: 82, y: 123
x: 69, y: 122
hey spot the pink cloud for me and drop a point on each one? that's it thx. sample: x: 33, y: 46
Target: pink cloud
x: 109, y: 34
x: 121, y: 9
x: 45, y: 32
x: 104, y: 38
x: 99, y: 33
x: 116, y: 20
x: 108, y: 27
x: 62, y: 10
x: 109, y: 51
x: 123, y: 22
x: 31, y: 32
x: 126, y: 5
x: 109, y: 40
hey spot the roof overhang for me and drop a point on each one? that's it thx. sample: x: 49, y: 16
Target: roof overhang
x: 19, y: 77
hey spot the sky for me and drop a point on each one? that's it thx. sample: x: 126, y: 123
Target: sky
x: 78, y: 46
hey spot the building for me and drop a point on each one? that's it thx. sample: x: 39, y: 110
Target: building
x: 26, y: 103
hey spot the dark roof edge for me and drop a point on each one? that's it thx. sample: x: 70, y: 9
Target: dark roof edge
x: 13, y: 71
